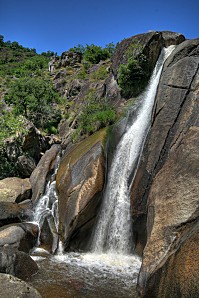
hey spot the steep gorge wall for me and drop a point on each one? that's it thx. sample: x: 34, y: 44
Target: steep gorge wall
x: 165, y: 192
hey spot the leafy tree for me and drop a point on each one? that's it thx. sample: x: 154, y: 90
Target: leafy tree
x: 132, y: 76
x: 95, y: 54
x: 49, y: 54
x: 78, y: 49
x: 34, y: 99
x: 110, y: 49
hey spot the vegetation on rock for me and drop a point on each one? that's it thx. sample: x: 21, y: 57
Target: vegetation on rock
x: 132, y: 76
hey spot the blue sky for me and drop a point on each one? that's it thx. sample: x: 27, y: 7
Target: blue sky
x: 58, y: 25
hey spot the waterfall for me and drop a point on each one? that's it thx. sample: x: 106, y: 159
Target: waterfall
x: 113, y: 231
x: 47, y: 208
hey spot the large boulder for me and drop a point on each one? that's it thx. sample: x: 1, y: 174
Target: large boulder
x: 45, y: 166
x: 15, y: 189
x: 14, y: 287
x: 22, y: 236
x: 151, y: 44
x: 13, y: 212
x: 165, y: 191
x: 80, y: 181
x: 16, y: 263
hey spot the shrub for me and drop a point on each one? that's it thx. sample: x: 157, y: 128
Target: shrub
x: 100, y: 74
x: 132, y: 76
x: 34, y: 99
x: 10, y: 125
x: 95, y: 114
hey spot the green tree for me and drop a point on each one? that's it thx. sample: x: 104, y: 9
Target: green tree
x: 34, y: 98
x: 95, y: 54
x: 133, y: 76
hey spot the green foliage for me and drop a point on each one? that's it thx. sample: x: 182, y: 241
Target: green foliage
x: 48, y: 54
x: 132, y: 77
x: 78, y: 49
x: 10, y: 125
x: 12, y: 55
x: 31, y: 66
x: 100, y: 74
x: 95, y: 114
x: 34, y: 99
x: 95, y: 54
x: 7, y: 168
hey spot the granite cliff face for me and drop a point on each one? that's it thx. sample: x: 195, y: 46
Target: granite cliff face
x: 165, y: 191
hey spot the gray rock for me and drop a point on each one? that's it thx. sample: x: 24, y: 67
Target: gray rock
x: 16, y: 263
x: 25, y: 165
x: 14, y: 287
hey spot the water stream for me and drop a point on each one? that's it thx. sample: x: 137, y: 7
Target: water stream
x: 110, y: 269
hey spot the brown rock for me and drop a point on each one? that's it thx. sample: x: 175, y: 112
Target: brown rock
x: 16, y: 263
x: 179, y: 276
x: 14, y: 287
x: 22, y: 236
x: 165, y: 191
x: 15, y: 189
x: 12, y: 212
x: 39, y: 175
x: 152, y: 43
x: 80, y: 180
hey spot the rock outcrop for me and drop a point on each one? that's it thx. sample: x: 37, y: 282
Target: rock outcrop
x: 15, y: 189
x: 80, y: 181
x: 44, y: 167
x: 13, y: 212
x: 165, y: 191
x: 14, y: 287
x: 151, y: 44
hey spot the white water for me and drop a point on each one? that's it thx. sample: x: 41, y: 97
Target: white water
x: 111, y: 256
x: 47, y: 209
x: 113, y: 231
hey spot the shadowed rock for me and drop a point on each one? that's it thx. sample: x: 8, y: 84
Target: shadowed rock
x: 16, y: 263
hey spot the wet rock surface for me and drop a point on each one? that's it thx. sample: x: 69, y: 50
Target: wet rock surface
x: 44, y: 167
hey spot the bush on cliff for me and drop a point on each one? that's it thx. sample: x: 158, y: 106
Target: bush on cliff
x: 35, y: 99
x: 95, y: 114
x: 132, y: 76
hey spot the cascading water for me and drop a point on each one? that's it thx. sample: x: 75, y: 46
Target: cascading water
x: 47, y: 209
x: 113, y: 231
x: 110, y: 269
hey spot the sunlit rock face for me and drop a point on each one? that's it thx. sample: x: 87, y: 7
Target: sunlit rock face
x: 165, y: 192
x: 15, y: 189
x: 80, y: 181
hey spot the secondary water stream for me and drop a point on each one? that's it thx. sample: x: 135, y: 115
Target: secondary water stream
x: 110, y: 269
